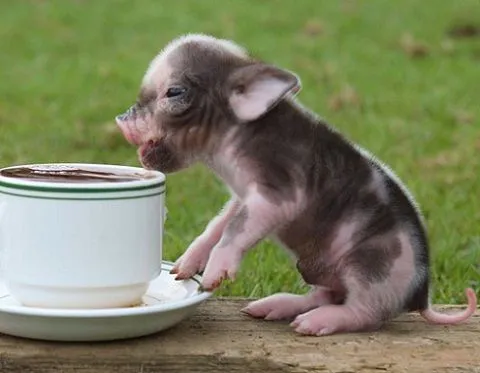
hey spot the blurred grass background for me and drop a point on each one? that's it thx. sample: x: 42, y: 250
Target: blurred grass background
x: 400, y: 78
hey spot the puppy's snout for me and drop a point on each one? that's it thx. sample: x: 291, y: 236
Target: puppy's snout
x: 127, y: 122
x: 121, y: 117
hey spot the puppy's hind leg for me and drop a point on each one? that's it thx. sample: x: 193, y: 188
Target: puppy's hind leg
x: 360, y: 312
x: 375, y: 293
x: 283, y: 306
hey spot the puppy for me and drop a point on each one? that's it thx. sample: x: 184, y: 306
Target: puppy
x: 356, y: 232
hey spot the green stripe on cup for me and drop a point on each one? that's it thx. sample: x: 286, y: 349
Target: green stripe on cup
x: 38, y: 188
x: 84, y: 199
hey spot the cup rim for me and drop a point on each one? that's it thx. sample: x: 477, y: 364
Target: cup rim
x: 158, y: 179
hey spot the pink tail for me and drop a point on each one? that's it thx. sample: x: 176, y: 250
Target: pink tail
x: 437, y: 318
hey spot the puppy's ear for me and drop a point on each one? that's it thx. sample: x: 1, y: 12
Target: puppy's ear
x: 255, y: 89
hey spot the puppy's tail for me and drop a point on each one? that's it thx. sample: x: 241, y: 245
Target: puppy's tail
x: 438, y: 318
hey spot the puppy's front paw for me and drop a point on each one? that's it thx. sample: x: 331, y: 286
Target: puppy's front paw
x: 221, y: 266
x: 193, y: 261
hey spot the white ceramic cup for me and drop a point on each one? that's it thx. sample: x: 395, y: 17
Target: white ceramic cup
x: 81, y: 244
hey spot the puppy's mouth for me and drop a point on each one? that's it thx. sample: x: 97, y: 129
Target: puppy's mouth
x: 147, y: 153
x: 147, y: 147
x: 134, y: 129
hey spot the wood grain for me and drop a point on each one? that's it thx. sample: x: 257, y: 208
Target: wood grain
x: 218, y: 338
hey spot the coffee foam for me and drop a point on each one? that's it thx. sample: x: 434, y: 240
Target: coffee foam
x: 69, y: 174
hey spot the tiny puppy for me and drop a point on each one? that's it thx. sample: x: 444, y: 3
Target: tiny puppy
x: 355, y: 231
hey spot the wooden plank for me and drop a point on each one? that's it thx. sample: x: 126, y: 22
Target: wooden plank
x: 218, y: 338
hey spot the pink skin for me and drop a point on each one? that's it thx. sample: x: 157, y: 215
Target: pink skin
x: 284, y: 306
x: 132, y: 136
x: 137, y: 131
x: 438, y: 318
x: 262, y: 217
x: 358, y: 313
x: 332, y: 319
x: 196, y: 256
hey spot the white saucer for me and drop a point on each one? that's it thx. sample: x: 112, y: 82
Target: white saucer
x: 166, y: 303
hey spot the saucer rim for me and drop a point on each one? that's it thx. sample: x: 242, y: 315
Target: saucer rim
x: 115, y: 312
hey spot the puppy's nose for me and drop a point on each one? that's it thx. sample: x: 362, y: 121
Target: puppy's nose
x: 129, y: 113
x: 121, y: 117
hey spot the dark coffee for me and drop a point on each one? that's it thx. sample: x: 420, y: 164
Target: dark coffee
x: 69, y: 175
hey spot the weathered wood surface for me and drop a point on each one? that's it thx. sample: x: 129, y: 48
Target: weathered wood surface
x: 218, y: 338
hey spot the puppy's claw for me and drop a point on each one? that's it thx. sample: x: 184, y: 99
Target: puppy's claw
x: 214, y: 285
x: 181, y: 276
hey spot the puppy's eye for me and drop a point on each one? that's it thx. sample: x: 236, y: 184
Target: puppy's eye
x: 175, y: 91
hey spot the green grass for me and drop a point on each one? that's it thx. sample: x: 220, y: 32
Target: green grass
x: 68, y: 67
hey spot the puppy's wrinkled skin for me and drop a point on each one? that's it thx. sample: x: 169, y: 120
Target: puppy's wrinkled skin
x: 355, y: 231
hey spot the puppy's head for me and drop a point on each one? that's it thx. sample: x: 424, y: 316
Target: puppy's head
x: 194, y: 91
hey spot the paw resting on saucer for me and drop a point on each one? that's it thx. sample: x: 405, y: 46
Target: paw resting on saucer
x: 192, y: 262
x: 221, y: 266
